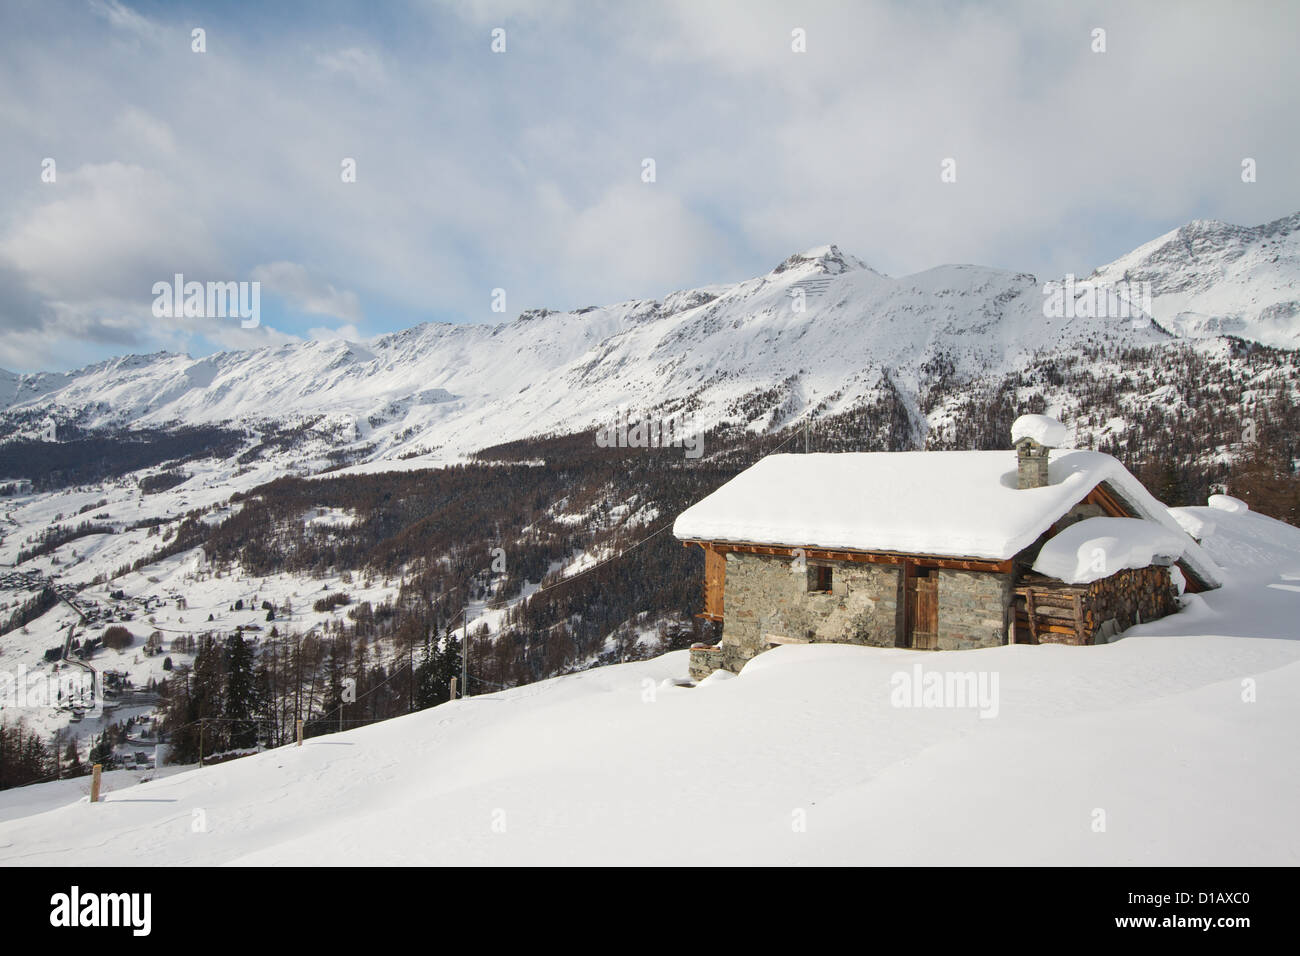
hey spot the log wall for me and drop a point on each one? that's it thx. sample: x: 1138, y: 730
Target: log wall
x: 1052, y: 612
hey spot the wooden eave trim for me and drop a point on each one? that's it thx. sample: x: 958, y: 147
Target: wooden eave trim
x: 1102, y: 496
x: 859, y: 557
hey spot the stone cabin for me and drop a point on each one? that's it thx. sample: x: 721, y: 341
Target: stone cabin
x: 936, y: 550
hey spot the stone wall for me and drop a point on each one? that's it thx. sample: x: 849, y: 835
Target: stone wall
x: 1128, y: 597
x: 768, y: 595
x: 704, y: 660
x: 973, y: 609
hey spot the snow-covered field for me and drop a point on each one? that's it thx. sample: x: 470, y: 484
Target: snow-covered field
x: 1173, y: 745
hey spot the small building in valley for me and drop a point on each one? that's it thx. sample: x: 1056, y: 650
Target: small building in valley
x: 936, y: 550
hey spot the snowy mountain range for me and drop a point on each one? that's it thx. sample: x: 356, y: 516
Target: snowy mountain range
x: 828, y: 327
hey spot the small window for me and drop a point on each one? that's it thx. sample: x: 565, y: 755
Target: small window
x: 819, y: 578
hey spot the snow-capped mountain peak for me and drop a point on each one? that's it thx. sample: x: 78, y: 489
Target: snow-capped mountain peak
x: 1214, y: 278
x: 824, y: 260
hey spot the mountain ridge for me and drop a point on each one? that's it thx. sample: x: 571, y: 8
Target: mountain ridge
x: 821, y: 318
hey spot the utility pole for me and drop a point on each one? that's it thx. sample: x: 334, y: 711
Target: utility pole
x: 464, y: 653
x: 805, y: 436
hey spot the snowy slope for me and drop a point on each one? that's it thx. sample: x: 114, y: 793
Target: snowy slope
x: 806, y: 757
x: 1213, y: 278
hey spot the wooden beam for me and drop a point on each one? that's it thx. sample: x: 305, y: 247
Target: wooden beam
x: 782, y: 639
x: 1045, y: 628
x: 1103, y: 497
x: 1194, y: 584
x: 1058, y: 613
x: 909, y: 573
x: 862, y: 557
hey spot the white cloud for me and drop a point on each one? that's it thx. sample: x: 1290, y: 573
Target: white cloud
x: 306, y: 292
x: 122, y: 17
x: 521, y: 170
x: 77, y: 268
x: 149, y: 134
x: 233, y: 337
x: 109, y: 231
x: 636, y: 236
x: 363, y: 66
x: 349, y: 332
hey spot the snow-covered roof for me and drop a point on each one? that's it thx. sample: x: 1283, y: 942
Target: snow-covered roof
x: 1096, y: 548
x: 1228, y: 503
x: 943, y: 503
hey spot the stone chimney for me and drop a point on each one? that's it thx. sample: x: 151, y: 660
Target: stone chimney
x: 1034, y: 436
x: 1031, y: 461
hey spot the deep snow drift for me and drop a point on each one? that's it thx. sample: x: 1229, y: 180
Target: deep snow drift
x: 1174, y: 745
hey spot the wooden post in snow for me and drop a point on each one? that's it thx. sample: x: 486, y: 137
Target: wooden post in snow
x: 453, y: 687
x: 94, y: 783
x: 299, y: 731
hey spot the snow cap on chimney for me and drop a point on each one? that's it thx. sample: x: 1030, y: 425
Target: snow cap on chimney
x: 1034, y: 436
x: 1043, y: 429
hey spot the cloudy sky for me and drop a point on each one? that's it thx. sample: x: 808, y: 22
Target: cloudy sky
x: 522, y: 170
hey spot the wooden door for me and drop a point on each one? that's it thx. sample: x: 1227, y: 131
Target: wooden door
x: 923, y: 610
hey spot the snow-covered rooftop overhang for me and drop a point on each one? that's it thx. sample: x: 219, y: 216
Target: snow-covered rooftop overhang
x: 962, y: 504
x: 1096, y: 548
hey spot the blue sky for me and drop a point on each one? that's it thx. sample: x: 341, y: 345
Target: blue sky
x: 522, y: 170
